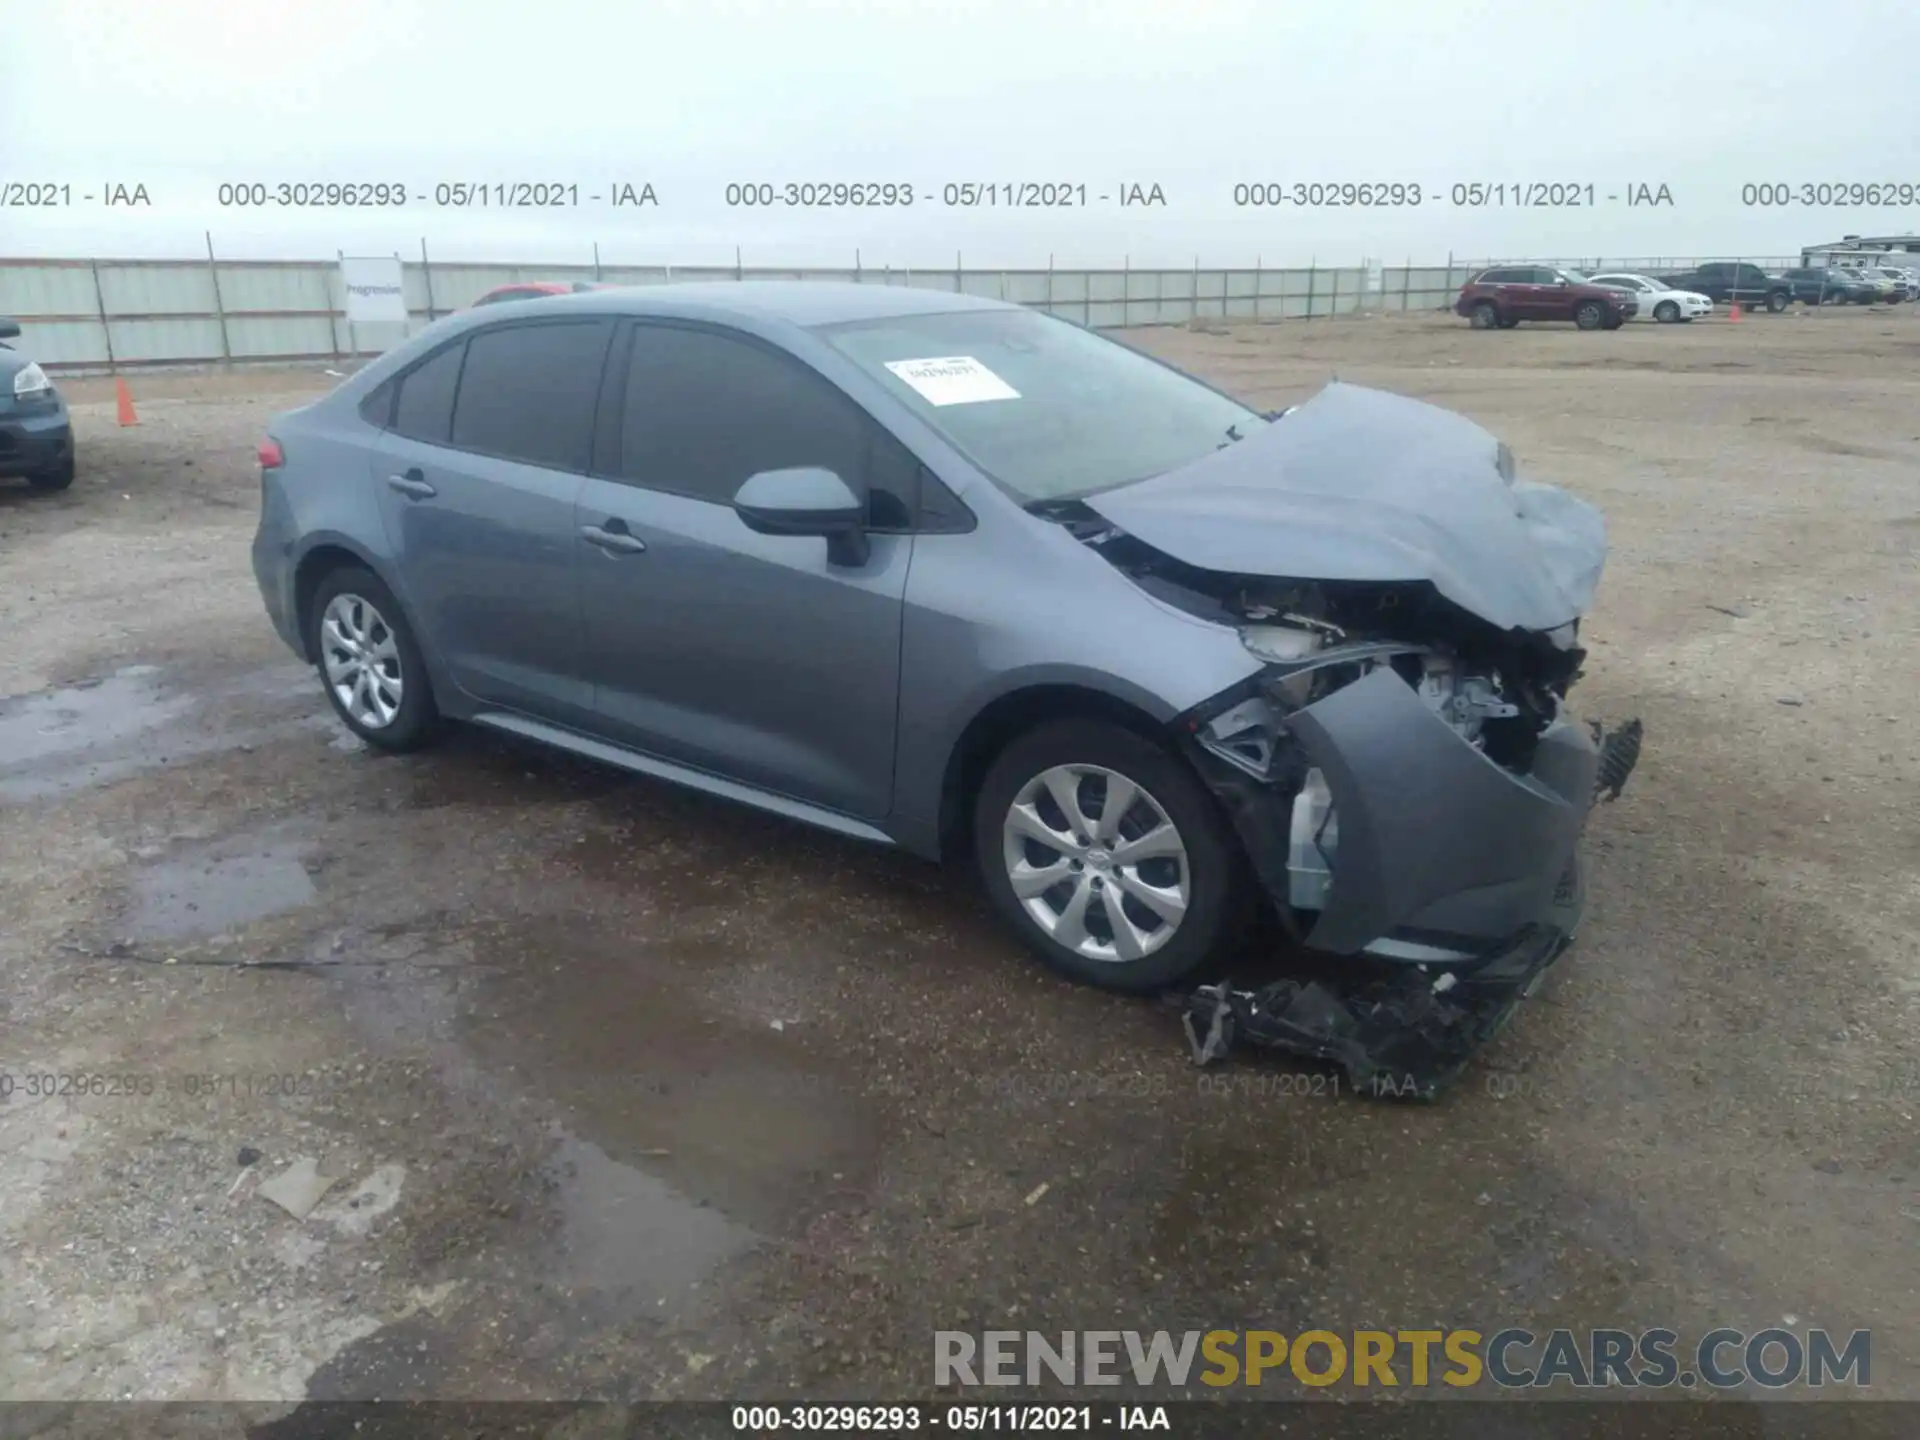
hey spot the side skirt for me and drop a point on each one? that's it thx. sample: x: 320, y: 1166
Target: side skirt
x: 693, y: 779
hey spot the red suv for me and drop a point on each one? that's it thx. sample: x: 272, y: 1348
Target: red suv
x: 1501, y: 298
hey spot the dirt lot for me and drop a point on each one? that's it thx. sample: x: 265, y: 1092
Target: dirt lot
x: 633, y: 1094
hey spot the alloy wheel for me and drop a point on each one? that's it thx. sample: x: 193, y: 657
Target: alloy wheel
x: 1096, y: 862
x: 361, y: 658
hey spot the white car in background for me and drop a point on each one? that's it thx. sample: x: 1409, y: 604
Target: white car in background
x: 1657, y: 302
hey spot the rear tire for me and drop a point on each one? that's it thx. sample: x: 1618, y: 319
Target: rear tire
x: 1188, y: 867
x: 369, y: 663
x: 1485, y: 315
x: 58, y: 478
x: 1590, y: 315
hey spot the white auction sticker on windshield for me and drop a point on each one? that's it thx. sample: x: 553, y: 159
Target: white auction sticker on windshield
x: 953, y: 380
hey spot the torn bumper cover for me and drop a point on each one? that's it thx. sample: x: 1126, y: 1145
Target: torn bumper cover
x: 1438, y: 845
x: 1385, y: 832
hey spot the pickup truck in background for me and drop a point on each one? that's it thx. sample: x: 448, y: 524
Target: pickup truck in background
x: 1733, y: 283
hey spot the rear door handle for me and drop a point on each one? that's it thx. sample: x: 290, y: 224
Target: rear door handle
x: 613, y: 541
x: 412, y: 484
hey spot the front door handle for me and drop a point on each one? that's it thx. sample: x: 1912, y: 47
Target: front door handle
x: 412, y: 484
x: 613, y: 541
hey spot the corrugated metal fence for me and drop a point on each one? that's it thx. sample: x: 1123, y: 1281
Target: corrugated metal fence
x: 118, y: 314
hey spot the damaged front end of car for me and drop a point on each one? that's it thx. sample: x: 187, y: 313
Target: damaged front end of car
x: 1410, y: 789
x: 1404, y: 774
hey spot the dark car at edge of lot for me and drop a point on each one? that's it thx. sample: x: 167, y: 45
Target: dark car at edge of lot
x: 1824, y: 285
x: 36, y: 434
x: 1502, y: 297
x: 1732, y: 282
x: 952, y: 575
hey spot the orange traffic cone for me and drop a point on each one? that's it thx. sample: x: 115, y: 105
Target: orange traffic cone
x: 1733, y: 311
x: 124, y: 398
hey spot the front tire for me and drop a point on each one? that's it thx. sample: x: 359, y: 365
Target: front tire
x: 1590, y: 315
x: 58, y: 478
x: 1107, y: 856
x: 1485, y: 315
x: 369, y: 663
x: 1776, y: 302
x: 1666, y: 312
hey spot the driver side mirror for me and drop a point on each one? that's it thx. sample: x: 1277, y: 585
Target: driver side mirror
x: 9, y: 329
x: 807, y: 501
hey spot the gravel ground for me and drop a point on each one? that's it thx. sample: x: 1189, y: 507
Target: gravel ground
x: 633, y: 1094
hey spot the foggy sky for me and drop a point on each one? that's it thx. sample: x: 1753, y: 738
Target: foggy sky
x: 183, y: 95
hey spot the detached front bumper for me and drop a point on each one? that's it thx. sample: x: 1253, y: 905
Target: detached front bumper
x: 1442, y: 884
x: 1440, y: 849
x: 1377, y: 827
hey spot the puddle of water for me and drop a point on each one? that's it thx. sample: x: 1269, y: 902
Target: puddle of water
x: 630, y: 1236
x: 104, y: 730
x: 217, y: 888
x: 61, y: 725
x: 686, y: 1132
x: 628, y: 1041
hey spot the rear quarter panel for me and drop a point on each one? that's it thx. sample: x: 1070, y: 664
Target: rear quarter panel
x: 325, y: 498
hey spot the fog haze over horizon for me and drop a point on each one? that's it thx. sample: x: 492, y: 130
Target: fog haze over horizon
x: 1185, y: 103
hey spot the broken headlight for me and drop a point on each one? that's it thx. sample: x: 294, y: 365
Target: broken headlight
x: 1285, y: 645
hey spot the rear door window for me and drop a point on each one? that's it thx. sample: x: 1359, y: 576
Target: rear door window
x: 527, y: 392
x: 424, y: 410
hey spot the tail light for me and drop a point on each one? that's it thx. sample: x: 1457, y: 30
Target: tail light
x: 272, y: 457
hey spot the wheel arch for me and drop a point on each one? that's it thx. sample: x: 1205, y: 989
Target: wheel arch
x: 323, y: 555
x: 327, y: 552
x: 1005, y: 718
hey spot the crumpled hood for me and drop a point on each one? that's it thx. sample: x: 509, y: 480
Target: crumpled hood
x: 1360, y: 484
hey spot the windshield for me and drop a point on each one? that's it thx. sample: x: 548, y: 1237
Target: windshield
x: 1047, y: 410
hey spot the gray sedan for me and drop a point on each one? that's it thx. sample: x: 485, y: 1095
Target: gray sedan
x: 953, y: 575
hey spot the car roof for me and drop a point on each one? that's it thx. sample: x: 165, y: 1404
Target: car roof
x: 798, y: 302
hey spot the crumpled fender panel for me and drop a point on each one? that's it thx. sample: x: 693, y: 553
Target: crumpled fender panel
x: 1433, y: 834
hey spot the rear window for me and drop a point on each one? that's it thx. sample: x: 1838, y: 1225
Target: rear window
x: 527, y: 392
x: 425, y: 407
